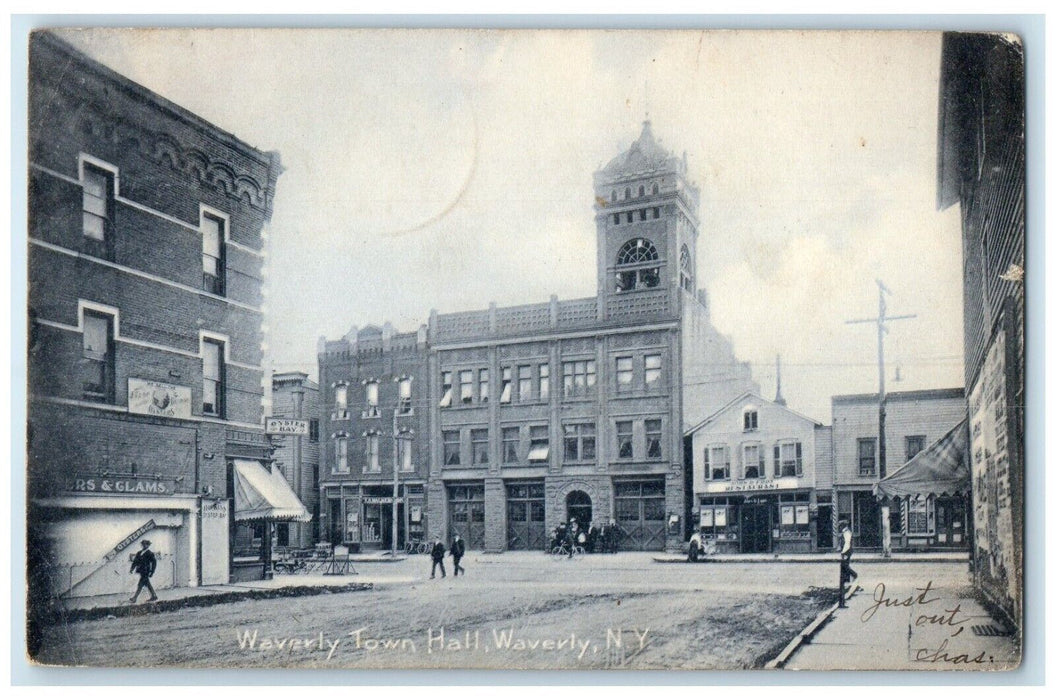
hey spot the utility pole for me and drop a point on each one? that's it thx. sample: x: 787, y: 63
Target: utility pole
x: 881, y: 330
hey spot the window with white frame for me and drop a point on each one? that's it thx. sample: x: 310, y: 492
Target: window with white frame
x: 624, y: 439
x: 483, y: 387
x: 788, y: 458
x: 544, y: 382
x: 452, y: 448
x: 914, y: 445
x: 685, y: 265
x: 624, y: 373
x: 465, y: 386
x: 404, y: 405
x: 654, y: 439
x: 511, y: 443
x: 751, y: 419
x: 371, y: 395
x: 341, y: 454
x: 866, y: 456
x: 212, y: 377
x: 637, y: 266
x: 717, y: 463
x: 478, y: 438
x: 97, y: 357
x: 920, y: 515
x: 446, y: 388
x: 539, y: 443
x: 405, y: 452
x: 97, y: 203
x: 578, y: 377
x: 580, y: 442
x: 373, y: 458
x: 340, y: 401
x: 213, y: 253
x: 524, y: 383
x: 653, y: 370
x: 507, y: 385
x: 753, y: 461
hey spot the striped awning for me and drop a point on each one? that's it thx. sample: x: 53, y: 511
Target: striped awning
x: 261, y: 494
x: 941, y: 469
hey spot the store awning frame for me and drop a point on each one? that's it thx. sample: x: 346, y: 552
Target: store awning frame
x: 263, y: 495
x: 940, y: 469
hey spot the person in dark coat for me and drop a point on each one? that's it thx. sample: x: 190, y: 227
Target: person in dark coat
x: 458, y: 550
x: 614, y: 537
x: 438, y: 558
x: 592, y: 538
x: 144, y: 564
x: 572, y: 537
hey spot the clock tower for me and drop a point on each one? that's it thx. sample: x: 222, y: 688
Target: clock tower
x: 647, y: 217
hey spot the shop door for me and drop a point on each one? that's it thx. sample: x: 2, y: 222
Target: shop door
x: 866, y: 529
x: 824, y: 523
x: 467, y: 514
x: 525, y: 516
x: 640, y: 515
x: 336, y: 522
x: 755, y: 527
x: 950, y: 525
x: 386, y: 527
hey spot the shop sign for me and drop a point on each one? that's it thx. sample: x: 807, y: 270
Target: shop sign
x: 110, y: 485
x: 157, y: 399
x: 216, y: 509
x: 123, y: 544
x: 746, y: 485
x: 286, y: 426
x: 380, y: 500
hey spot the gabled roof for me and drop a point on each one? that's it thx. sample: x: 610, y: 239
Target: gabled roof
x: 738, y: 400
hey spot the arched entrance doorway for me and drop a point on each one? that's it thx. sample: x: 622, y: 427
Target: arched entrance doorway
x: 578, y: 506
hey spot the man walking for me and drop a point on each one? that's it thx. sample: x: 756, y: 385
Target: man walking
x: 847, y: 574
x: 438, y: 558
x: 144, y: 564
x: 458, y: 550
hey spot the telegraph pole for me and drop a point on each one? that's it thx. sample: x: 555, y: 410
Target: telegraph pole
x: 881, y: 329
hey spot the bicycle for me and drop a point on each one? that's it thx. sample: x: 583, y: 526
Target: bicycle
x: 416, y: 547
x: 562, y: 551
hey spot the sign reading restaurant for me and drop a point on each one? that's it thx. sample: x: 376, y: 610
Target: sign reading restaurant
x: 752, y: 485
x: 157, y: 399
x: 285, y: 426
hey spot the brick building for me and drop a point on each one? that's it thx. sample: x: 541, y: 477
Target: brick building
x: 145, y: 288
x: 530, y: 415
x: 982, y: 167
x: 915, y: 420
x: 294, y: 395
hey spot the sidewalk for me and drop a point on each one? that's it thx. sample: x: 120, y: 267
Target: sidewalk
x: 818, y: 558
x: 902, y: 627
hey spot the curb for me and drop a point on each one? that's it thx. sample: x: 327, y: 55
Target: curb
x: 806, y: 634
x: 792, y: 560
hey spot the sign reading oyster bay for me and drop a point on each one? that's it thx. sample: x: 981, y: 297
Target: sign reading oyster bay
x: 286, y: 426
x: 158, y: 399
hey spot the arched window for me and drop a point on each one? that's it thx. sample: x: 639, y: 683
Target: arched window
x: 636, y: 264
x: 641, y: 190
x: 685, y: 264
x: 627, y: 193
x: 613, y: 197
x: 656, y: 188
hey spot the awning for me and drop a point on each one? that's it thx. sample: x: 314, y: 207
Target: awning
x: 941, y: 469
x: 264, y: 495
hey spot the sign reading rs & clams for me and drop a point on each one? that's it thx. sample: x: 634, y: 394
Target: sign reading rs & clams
x: 286, y: 426
x: 158, y: 399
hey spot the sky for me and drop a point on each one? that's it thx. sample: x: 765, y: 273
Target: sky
x: 446, y: 169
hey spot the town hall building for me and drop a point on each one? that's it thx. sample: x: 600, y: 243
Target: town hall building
x: 504, y: 422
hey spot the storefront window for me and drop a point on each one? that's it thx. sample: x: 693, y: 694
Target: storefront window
x: 793, y: 512
x: 718, y: 520
x: 920, y: 516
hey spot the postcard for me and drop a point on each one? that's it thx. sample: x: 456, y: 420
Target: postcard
x: 525, y: 349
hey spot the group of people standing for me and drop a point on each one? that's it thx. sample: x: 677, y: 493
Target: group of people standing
x: 591, y: 538
x: 458, y: 550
